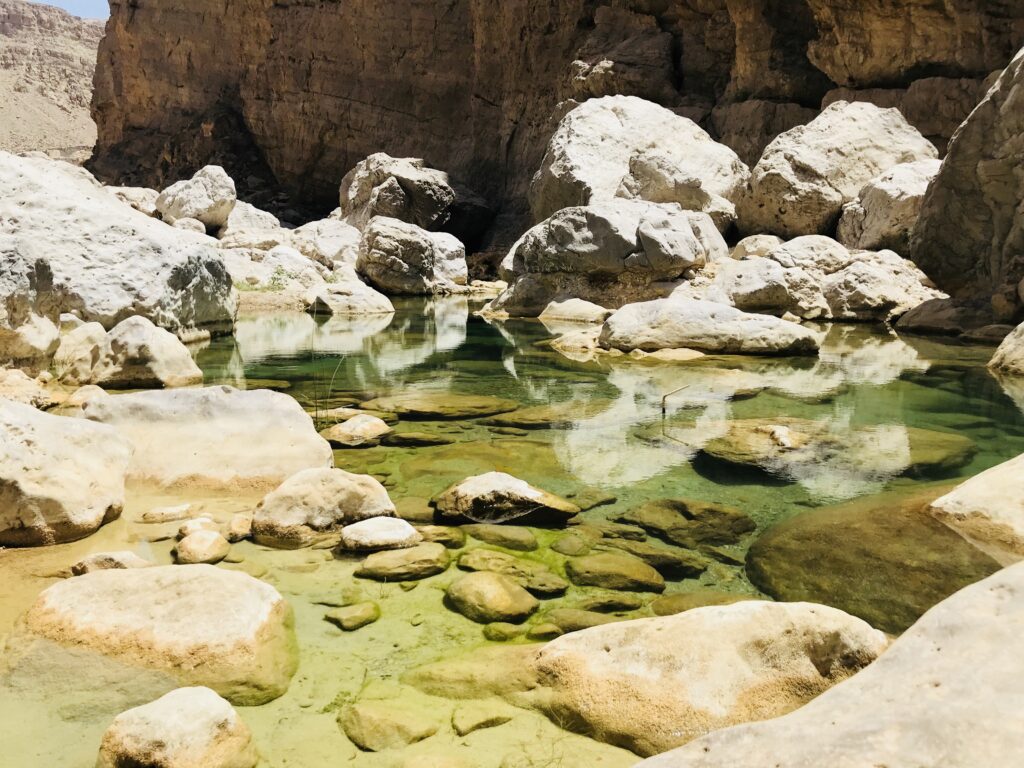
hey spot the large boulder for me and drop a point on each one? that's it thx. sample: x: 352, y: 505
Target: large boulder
x: 151, y: 630
x: 399, y: 188
x: 346, y: 297
x: 179, y: 436
x: 332, y: 242
x: 628, y: 147
x: 947, y: 692
x: 806, y: 174
x: 60, y: 478
x: 1009, y: 357
x: 315, y: 502
x: 398, y: 257
x: 186, y: 728
x: 887, y: 207
x: 209, y: 197
x: 970, y: 234
x: 106, y: 260
x: 654, y: 684
x: 703, y: 325
x: 610, y: 252
x: 28, y: 315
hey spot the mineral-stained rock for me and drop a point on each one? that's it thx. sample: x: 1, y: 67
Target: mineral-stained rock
x: 485, y: 596
x: 401, y: 258
x: 209, y: 196
x: 534, y: 576
x: 417, y: 562
x: 498, y: 497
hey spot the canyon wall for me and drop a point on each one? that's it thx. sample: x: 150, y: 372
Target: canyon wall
x: 298, y: 91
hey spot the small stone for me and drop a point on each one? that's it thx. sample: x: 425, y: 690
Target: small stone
x: 502, y: 631
x: 614, y: 571
x: 202, y: 547
x: 101, y: 561
x: 691, y: 523
x: 675, y: 564
x: 508, y: 536
x: 415, y: 509
x: 486, y: 597
x: 353, y: 617
x: 533, y: 576
x: 167, y: 514
x: 452, y: 538
x: 495, y: 497
x: 379, y: 533
x: 544, y: 631
x: 480, y: 714
x: 362, y: 431
x: 415, y: 440
x: 240, y: 527
x: 571, y: 545
x: 417, y: 562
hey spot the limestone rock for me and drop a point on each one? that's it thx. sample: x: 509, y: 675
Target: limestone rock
x: 498, y: 497
x: 398, y: 257
x: 177, y: 436
x: 1009, y: 357
x: 208, y: 196
x: 100, y: 561
x: 431, y: 406
x: 749, y: 126
x: 690, y: 523
x: 383, y: 719
x: 531, y: 575
x: 186, y: 728
x: 485, y: 596
x: 399, y: 188
x: 349, y: 296
x: 317, y: 501
x: 419, y: 562
x: 806, y: 174
x: 202, y: 547
x: 574, y: 311
x: 142, y: 199
x: 273, y: 267
x: 349, y: 618
x: 247, y: 217
x: 362, y: 430
x: 331, y: 242
x: 189, y: 224
x: 19, y: 387
x: 379, y: 533
x: 754, y: 246
x: 614, y: 571
x: 63, y: 478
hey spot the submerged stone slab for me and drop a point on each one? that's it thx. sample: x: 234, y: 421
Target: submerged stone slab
x: 429, y: 406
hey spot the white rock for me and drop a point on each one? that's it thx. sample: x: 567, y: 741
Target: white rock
x: 281, y: 268
x: 703, y: 325
x: 886, y: 209
x: 398, y: 257
x: 362, y: 429
x: 190, y: 225
x: 755, y: 246
x: 179, y: 436
x: 379, y: 533
x: 202, y: 546
x: 328, y: 241
x: 575, y: 311
x: 78, y: 353
x: 197, y: 524
x: 314, y: 502
x: 245, y: 216
x: 186, y: 728
x: 63, y: 478
x: 806, y: 174
x: 167, y: 626
x: 653, y: 684
x: 947, y: 692
x: 346, y: 295
x: 28, y: 329
x: 626, y: 146
x: 142, y: 199
x: 1009, y: 357
x: 208, y: 196
x: 496, y: 497
x: 398, y: 188
x: 101, y: 561
x: 18, y: 386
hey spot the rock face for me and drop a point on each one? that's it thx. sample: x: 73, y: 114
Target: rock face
x: 169, y: 625
x: 184, y: 728
x: 398, y: 257
x: 917, y: 705
x: 970, y: 235
x: 652, y: 684
x: 60, y: 478
x: 808, y: 173
x: 178, y: 436
x: 60, y: 214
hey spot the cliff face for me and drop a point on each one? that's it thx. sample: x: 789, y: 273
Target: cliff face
x: 309, y: 87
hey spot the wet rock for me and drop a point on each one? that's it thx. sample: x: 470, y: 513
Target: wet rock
x: 533, y: 576
x: 485, y: 597
x: 433, y: 406
x: 571, y: 545
x: 314, y: 502
x: 208, y: 196
x: 178, y: 435
x: 101, y: 561
x: 149, y: 630
x: 186, y: 727
x: 690, y: 523
x: 576, y: 619
x: 673, y: 564
x: 361, y: 431
x: 397, y: 257
x: 507, y: 536
x: 379, y: 533
x: 703, y: 325
x: 498, y: 497
x: 63, y: 478
x: 545, y: 416
x: 197, y: 524
x: 414, y: 440
x: 502, y: 631
x: 888, y: 561
x: 352, y: 617
x: 452, y: 538
x: 376, y: 724
x: 417, y: 562
x: 544, y: 631
x: 240, y: 526
x: 614, y: 571
x: 202, y: 547
x: 652, y: 684
x: 610, y: 603
x: 171, y: 514
x: 916, y: 705
x: 495, y: 671
x: 479, y: 715
x: 1009, y: 357
x: 667, y: 605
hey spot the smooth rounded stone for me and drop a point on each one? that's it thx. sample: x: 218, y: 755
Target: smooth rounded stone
x: 610, y: 602
x: 389, y: 723
x: 208, y: 196
x: 362, y: 431
x: 1009, y: 357
x: 197, y: 524
x: 485, y: 596
x: 544, y: 631
x: 202, y: 547
x: 379, y: 533
x: 653, y: 684
x: 507, y: 536
x: 533, y: 576
x: 502, y: 631
x: 690, y: 523
x: 409, y: 564
x: 571, y: 545
x: 186, y: 728
x: 755, y: 246
x: 190, y: 225
x: 352, y: 617
x: 346, y: 297
x: 62, y: 478
x: 475, y: 716
x: 154, y: 629
x: 240, y: 527
x: 946, y: 693
x: 614, y: 571
x: 888, y: 560
x: 172, y: 514
x: 887, y: 208
x: 101, y: 561
x: 433, y: 406
x: 451, y: 537
x: 415, y: 440
x: 703, y: 325
x: 668, y: 605
x: 988, y: 510
x: 499, y: 497
x: 315, y: 502
x: 673, y: 564
x: 576, y: 619
x: 178, y: 436
x: 415, y: 510
x: 624, y: 146
x: 807, y: 173
x: 591, y: 498
x: 401, y: 258
x: 338, y: 415
x: 574, y: 311
x: 504, y: 670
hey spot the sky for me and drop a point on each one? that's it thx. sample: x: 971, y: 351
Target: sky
x: 87, y: 9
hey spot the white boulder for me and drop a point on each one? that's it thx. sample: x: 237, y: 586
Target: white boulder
x: 247, y: 217
x: 398, y: 257
x: 202, y: 546
x: 361, y: 430
x: 142, y: 199
x: 101, y: 561
x: 574, y: 311
x: 331, y: 242
x: 401, y: 188
x: 379, y: 533
x: 28, y: 321
x: 209, y: 196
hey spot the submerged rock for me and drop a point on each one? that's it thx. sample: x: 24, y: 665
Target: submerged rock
x: 668, y: 605
x: 485, y: 596
x: 383, y: 719
x: 614, y: 571
x: 535, y: 577
x: 575, y: 619
x: 419, y: 562
x: 362, y: 430
x: 349, y: 618
x: 430, y: 406
x: 690, y: 523
x: 498, y: 497
x: 507, y: 536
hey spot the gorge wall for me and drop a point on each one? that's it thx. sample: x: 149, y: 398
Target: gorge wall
x: 300, y: 90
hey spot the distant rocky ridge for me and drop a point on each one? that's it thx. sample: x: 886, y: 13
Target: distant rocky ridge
x: 47, y: 59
